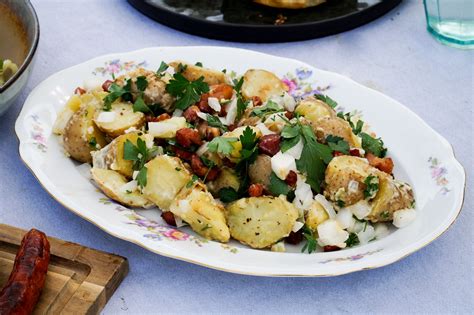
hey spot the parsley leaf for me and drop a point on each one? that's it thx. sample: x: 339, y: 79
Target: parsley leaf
x: 338, y: 144
x: 193, y: 179
x: 222, y: 145
x: 311, y: 241
x: 142, y: 177
x: 268, y: 109
x: 186, y: 92
x: 291, y: 136
x: 372, y: 186
x: 352, y: 240
x: 141, y: 83
x: 314, y: 158
x: 93, y: 143
x: 228, y: 194
x: 140, y: 106
x: 373, y: 145
x: 238, y: 85
x: 214, y: 121
x: 241, y: 107
x: 115, y: 92
x: 198, y: 64
x: 139, y: 153
x: 326, y: 99
x: 277, y: 186
x: 358, y: 128
x: 163, y: 67
x: 249, y: 142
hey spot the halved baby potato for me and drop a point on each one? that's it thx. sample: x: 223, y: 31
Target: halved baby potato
x: 81, y: 135
x: 393, y: 195
x: 112, y: 184
x: 166, y: 176
x: 193, y: 72
x: 325, y: 126
x: 315, y: 215
x: 260, y: 222
x: 263, y: 84
x: 227, y: 179
x: 120, y: 118
x: 313, y: 109
x: 196, y: 206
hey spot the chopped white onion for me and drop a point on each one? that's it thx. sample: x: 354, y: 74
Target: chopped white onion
x: 214, y: 104
x: 278, y: 247
x: 202, y: 115
x: 135, y: 174
x: 331, y: 233
x: 282, y: 164
x: 353, y: 186
x: 106, y: 117
x: 344, y: 218
x: 131, y: 186
x: 179, y: 222
x: 367, y: 234
x: 296, y: 150
x: 297, y: 226
x: 131, y: 129
x: 360, y: 209
x: 92, y: 84
x: 231, y: 111
x: 289, y: 102
x: 264, y: 130
x: 381, y: 230
x: 303, y: 195
x: 326, y: 205
x: 402, y: 218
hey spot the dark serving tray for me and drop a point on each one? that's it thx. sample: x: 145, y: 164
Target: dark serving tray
x: 245, y: 21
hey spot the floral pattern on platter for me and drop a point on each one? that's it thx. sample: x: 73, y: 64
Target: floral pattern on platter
x: 351, y: 258
x: 37, y: 133
x: 116, y: 66
x: 438, y: 173
x: 299, y: 83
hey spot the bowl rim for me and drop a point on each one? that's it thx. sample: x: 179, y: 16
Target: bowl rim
x: 31, y: 51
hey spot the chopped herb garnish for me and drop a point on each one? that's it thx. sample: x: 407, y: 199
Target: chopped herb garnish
x: 338, y: 144
x: 413, y: 204
x: 291, y: 135
x: 268, y: 109
x: 198, y: 64
x: 142, y: 177
x: 357, y: 128
x: 222, y: 145
x: 352, y: 240
x: 277, y: 186
x: 238, y: 85
x: 241, y: 107
x: 214, y: 121
x: 115, y: 92
x: 228, y: 194
x: 163, y: 67
x: 93, y: 143
x: 191, y: 182
x: 140, y: 106
x: 326, y: 99
x: 372, y: 186
x: 182, y: 68
x: 373, y: 145
x: 248, y: 154
x: 340, y: 203
x: 385, y: 214
x: 141, y: 83
x: 224, y: 71
x: 311, y: 241
x: 207, y: 226
x: 186, y: 92
x: 139, y: 154
x: 177, y: 169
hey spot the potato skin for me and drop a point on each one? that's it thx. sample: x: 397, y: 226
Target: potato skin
x: 335, y: 126
x: 263, y: 84
x: 193, y: 73
x: 313, y: 109
x: 125, y: 118
x: 340, y: 171
x: 197, y: 207
x: 315, y: 215
x: 111, y: 182
x: 260, y: 170
x: 393, y: 195
x: 79, y: 132
x: 260, y: 222
x: 166, y: 176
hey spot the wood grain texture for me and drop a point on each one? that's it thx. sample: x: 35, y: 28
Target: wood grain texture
x: 80, y: 280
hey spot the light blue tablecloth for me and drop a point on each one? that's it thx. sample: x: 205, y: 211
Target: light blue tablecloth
x: 393, y: 54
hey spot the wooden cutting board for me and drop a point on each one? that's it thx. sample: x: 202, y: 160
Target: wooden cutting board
x: 80, y: 280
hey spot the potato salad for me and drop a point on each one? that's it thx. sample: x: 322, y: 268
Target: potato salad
x: 236, y: 157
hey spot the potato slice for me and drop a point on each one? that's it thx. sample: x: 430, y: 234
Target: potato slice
x: 313, y: 109
x: 192, y: 73
x: 81, y: 135
x: 339, y: 174
x: 315, y: 215
x: 227, y: 179
x: 120, y: 118
x: 393, y: 195
x: 335, y: 126
x: 263, y: 84
x: 197, y: 207
x: 260, y: 222
x: 112, y: 184
x: 166, y: 176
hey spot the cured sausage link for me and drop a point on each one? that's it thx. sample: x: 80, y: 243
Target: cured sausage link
x: 23, y: 288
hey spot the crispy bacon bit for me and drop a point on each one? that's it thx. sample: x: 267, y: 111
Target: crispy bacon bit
x: 168, y: 217
x: 269, y: 144
x: 331, y: 248
x: 106, y: 85
x: 201, y: 170
x: 161, y: 117
x: 289, y: 115
x: 295, y: 237
x: 291, y: 179
x: 257, y: 101
x: 182, y: 154
x: 221, y: 91
x: 187, y: 136
x: 255, y: 190
x: 190, y: 114
x: 337, y: 153
x: 203, y: 104
x: 232, y: 127
x: 228, y: 163
x: 354, y: 152
x: 383, y: 164
x: 79, y: 91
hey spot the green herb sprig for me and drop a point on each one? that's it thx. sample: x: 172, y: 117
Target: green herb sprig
x: 186, y: 92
